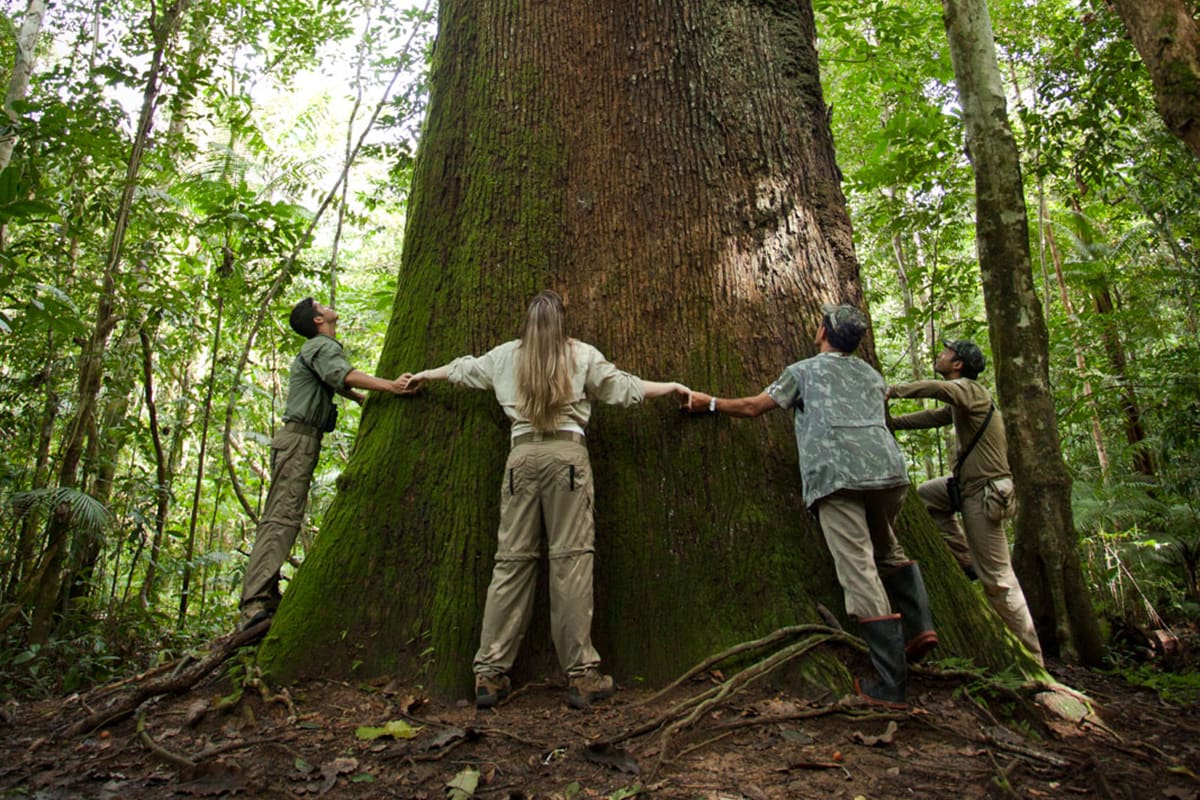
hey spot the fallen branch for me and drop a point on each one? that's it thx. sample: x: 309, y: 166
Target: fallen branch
x: 126, y: 704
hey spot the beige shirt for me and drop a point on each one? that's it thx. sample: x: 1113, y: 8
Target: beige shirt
x: 967, y: 406
x: 592, y: 378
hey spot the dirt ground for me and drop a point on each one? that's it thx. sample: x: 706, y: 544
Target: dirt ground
x: 309, y: 741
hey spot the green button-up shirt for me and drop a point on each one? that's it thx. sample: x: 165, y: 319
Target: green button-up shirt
x: 311, y: 389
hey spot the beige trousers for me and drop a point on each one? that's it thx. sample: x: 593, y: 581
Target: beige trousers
x: 857, y: 526
x: 293, y: 460
x: 547, y: 488
x: 984, y: 547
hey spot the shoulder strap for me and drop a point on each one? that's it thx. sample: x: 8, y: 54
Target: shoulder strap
x: 974, y: 440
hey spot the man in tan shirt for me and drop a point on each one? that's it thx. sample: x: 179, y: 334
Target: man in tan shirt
x: 983, y: 478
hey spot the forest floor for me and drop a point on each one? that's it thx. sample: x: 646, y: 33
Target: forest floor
x: 309, y: 741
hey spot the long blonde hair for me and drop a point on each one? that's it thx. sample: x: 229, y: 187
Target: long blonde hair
x: 544, y: 362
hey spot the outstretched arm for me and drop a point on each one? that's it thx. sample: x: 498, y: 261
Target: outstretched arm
x: 754, y: 406
x: 659, y: 389
x: 358, y: 379
x: 410, y: 383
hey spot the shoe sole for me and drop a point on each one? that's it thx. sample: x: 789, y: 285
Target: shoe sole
x: 916, y: 647
x: 581, y: 701
x: 878, y: 701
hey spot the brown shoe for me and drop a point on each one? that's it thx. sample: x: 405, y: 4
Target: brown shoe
x: 491, y: 689
x: 589, y: 687
x: 254, y: 612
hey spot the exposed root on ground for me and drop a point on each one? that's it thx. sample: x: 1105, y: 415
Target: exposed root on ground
x: 109, y: 703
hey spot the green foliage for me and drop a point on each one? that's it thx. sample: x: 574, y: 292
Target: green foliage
x: 1180, y: 689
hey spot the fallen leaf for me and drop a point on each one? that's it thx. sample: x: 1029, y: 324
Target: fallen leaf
x: 463, y: 785
x: 332, y: 769
x: 396, y: 728
x: 873, y: 741
x: 753, y: 792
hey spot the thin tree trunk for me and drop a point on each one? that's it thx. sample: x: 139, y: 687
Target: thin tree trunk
x: 91, y: 362
x: 1047, y: 235
x: 22, y: 70
x: 1167, y: 38
x: 1046, y: 557
x: 206, y: 418
x: 31, y: 524
x: 162, y: 488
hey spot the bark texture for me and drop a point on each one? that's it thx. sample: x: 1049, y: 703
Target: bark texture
x: 1045, y: 556
x: 1168, y: 40
x: 668, y: 168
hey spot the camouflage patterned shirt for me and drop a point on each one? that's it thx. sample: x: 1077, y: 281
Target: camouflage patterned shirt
x: 837, y: 402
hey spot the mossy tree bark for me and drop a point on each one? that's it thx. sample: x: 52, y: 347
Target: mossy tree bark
x: 668, y: 167
x: 1045, y: 556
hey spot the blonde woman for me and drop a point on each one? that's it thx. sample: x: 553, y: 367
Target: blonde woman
x: 546, y: 383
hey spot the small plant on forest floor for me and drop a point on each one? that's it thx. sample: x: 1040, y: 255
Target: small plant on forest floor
x: 1177, y: 688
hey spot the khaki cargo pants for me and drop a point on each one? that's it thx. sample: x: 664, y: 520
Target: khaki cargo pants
x: 858, y: 529
x: 984, y: 547
x: 547, y: 487
x: 293, y: 461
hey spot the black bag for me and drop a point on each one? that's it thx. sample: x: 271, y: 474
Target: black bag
x: 955, y: 493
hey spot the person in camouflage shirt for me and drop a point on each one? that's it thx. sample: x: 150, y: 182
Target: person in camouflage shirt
x: 855, y: 481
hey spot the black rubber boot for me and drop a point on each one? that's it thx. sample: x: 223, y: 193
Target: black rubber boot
x: 885, y: 642
x: 906, y: 589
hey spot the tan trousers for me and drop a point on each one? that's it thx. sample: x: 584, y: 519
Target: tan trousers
x: 857, y: 526
x: 984, y: 547
x: 293, y: 461
x: 547, y: 487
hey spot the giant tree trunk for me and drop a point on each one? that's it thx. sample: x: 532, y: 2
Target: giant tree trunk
x: 668, y: 167
x: 1168, y: 40
x: 1045, y: 558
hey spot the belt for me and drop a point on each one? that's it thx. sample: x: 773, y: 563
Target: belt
x: 550, y: 436
x: 300, y: 427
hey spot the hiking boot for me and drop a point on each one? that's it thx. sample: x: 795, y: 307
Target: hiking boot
x: 885, y: 645
x: 491, y: 689
x: 253, y: 613
x: 589, y: 687
x: 906, y: 589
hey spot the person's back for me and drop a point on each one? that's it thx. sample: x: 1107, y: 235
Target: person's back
x: 841, y: 429
x: 545, y: 382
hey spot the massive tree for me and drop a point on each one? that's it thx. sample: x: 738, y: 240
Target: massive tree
x: 668, y: 167
x: 1046, y: 558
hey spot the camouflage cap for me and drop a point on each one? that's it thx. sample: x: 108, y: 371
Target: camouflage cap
x: 844, y: 324
x: 969, y: 353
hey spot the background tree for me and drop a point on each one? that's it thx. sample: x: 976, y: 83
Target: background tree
x: 669, y: 170
x: 1168, y: 40
x: 1046, y: 557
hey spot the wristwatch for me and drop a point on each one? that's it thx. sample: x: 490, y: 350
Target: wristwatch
x: 712, y: 405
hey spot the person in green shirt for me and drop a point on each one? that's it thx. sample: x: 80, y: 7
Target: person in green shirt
x: 319, y: 371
